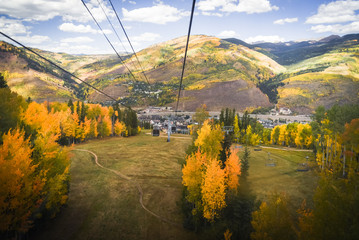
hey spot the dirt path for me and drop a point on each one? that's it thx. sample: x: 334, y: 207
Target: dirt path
x: 140, y: 191
x: 165, y: 136
x: 289, y: 149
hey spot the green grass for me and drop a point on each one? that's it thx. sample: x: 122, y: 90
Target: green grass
x: 284, y: 177
x: 103, y: 206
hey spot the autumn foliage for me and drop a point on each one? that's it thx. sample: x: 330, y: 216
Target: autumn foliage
x: 206, y: 180
x: 20, y: 186
x: 34, y: 164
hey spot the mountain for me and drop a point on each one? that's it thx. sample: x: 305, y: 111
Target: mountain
x: 288, y: 53
x: 323, y: 72
x: 29, y: 76
x: 220, y: 73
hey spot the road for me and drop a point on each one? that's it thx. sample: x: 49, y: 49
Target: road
x: 298, y: 118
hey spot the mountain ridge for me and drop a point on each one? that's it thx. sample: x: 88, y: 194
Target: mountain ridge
x: 219, y: 72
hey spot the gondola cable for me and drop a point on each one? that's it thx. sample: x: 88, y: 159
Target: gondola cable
x: 185, y: 55
x: 109, y: 21
x: 62, y: 69
x: 108, y: 40
x: 128, y: 39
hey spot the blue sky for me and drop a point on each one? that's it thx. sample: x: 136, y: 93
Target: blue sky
x: 66, y: 26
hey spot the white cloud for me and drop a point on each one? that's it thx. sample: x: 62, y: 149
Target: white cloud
x: 228, y: 34
x: 77, y: 40
x: 132, y: 2
x: 247, y: 6
x: 335, y: 12
x: 261, y: 38
x: 146, y: 37
x: 107, y: 31
x: 70, y: 27
x: 285, y: 20
x: 159, y: 14
x: 211, y: 5
x: 43, y: 10
x: 212, y: 14
x: 12, y: 27
x: 17, y: 30
x: 34, y: 39
x: 352, y: 27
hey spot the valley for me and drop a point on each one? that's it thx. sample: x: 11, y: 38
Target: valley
x: 219, y: 73
x: 103, y: 205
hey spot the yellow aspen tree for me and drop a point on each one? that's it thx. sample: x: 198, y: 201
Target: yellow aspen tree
x: 54, y: 161
x: 304, y: 135
x: 233, y: 170
x: 273, y: 220
x: 254, y: 140
x: 34, y: 114
x: 104, y: 126
x: 70, y: 124
x: 298, y: 139
x: 20, y: 187
x: 282, y: 134
x: 77, y: 126
x: 87, y: 128
x: 248, y: 135
x: 105, y: 111
x: 192, y: 176
x: 275, y: 135
x: 119, y: 128
x: 209, y: 139
x: 213, y: 190
x: 237, y: 133
x: 94, y: 111
x: 41, y: 121
x: 107, y: 125
x: 266, y: 136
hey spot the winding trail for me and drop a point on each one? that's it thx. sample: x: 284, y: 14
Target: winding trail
x: 289, y: 149
x: 139, y: 188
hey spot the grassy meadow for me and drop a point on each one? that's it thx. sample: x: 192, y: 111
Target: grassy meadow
x: 103, y: 206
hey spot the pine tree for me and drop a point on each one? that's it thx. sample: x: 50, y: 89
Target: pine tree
x: 83, y: 112
x: 3, y: 83
x: 71, y: 105
x: 245, y: 164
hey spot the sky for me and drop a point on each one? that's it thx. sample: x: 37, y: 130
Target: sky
x: 66, y: 26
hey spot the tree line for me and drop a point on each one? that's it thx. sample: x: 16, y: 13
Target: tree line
x: 34, y: 157
x: 217, y: 199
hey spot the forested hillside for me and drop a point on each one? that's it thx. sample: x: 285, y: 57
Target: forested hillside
x: 218, y: 73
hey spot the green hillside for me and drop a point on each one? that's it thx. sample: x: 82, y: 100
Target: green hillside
x: 219, y: 73
x: 30, y: 76
x: 324, y: 80
x: 213, y: 65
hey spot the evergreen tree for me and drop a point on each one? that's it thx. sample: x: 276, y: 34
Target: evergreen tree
x: 11, y: 106
x: 226, y: 146
x: 78, y: 108
x: 221, y: 116
x: 83, y: 112
x: 71, y: 105
x: 3, y: 83
x: 245, y: 164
